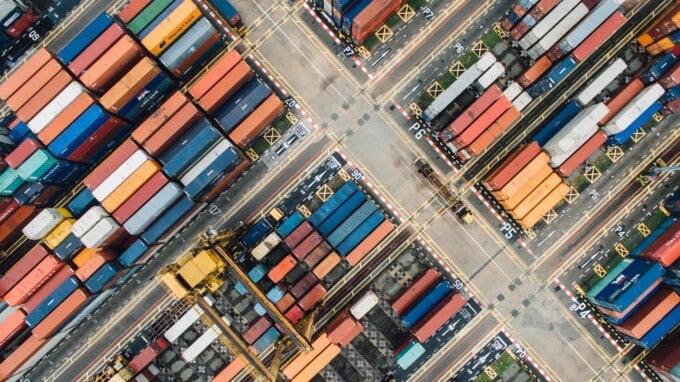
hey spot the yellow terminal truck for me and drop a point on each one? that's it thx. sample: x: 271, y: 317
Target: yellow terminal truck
x: 456, y: 205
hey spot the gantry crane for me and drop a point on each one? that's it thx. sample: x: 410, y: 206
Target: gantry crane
x: 444, y: 191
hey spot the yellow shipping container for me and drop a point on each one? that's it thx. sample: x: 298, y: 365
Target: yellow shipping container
x: 301, y: 360
x: 205, y: 262
x: 550, y: 201
x: 536, y: 196
x: 59, y: 233
x: 83, y: 256
x: 318, y: 363
x: 191, y: 274
x: 172, y: 27
x: 64, y: 212
x: 537, y: 167
x: 133, y: 183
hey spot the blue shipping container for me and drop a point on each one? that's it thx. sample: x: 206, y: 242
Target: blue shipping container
x: 227, y: 11
x: 84, y: 38
x: 257, y: 273
x: 64, y: 173
x: 619, y: 321
x: 620, y: 138
x: 348, y: 17
x: 336, y: 218
x: 650, y: 239
x: 97, y: 282
x: 240, y: 288
x: 81, y: 202
x: 410, y: 354
x: 68, y: 248
x: 426, y: 303
x: 189, y: 148
x: 21, y: 132
x: 78, y: 132
x: 214, y: 173
x: 289, y: 224
x: 172, y: 216
x: 275, y: 294
x: 671, y: 94
x: 352, y: 222
x: 360, y: 233
x: 256, y: 233
x: 549, y: 80
x: 560, y: 120
x: 160, y: 18
x: 662, y: 65
x: 52, y: 301
x: 10, y: 181
x: 660, y: 330
x: 259, y: 309
x: 133, y: 253
x: 597, y: 288
x: 340, y: 7
x: 114, y: 142
x: 148, y: 98
x: 629, y: 285
x: 673, y: 204
x: 241, y: 104
x: 29, y: 193
x: 266, y: 340
x: 332, y: 203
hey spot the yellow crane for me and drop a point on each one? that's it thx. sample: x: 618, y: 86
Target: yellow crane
x: 444, y: 191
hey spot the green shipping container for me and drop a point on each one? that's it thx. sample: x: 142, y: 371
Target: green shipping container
x: 10, y: 181
x: 36, y: 165
x: 148, y: 15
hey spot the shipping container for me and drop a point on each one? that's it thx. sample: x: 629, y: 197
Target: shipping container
x: 351, y: 223
x: 651, y: 238
x: 104, y: 277
x: 78, y: 132
x: 20, y: 355
x: 553, y: 37
x: 11, y: 327
x: 242, y: 104
x: 189, y: 148
x: 58, y: 234
x: 574, y: 134
x: 56, y: 106
x: 537, y: 167
x: 112, y: 162
x: 660, y: 330
x: 201, y: 343
x: 44, y: 222
x: 555, y: 124
x: 227, y: 12
x: 33, y: 85
x: 184, y: 322
x: 547, y: 23
x: 665, y: 358
x: 84, y: 38
x: 146, y: 356
x: 425, y: 303
x: 65, y: 118
x: 11, y: 229
x: 140, y: 197
x: 603, y: 79
x: 658, y: 68
x: 672, y: 78
x: 130, y: 185
x: 170, y: 28
x: 153, y: 208
x: 22, y: 267
x: 534, y: 72
x: 415, y: 290
x: 208, y: 176
x: 256, y: 330
x: 307, y: 245
x: 69, y: 247
x: 299, y: 234
x: 364, y: 305
x: 52, y: 301
x: 330, y: 205
x: 316, y: 366
x: 482, y: 123
x: 150, y: 13
x: 622, y: 98
x: 443, y: 312
x: 550, y: 201
x: 471, y: 113
x: 232, y: 370
x: 341, y: 329
x: 312, y: 297
x: 371, y: 18
x: 629, y: 113
x: 105, y: 233
x: 171, y: 220
x: 226, y: 87
x: 132, y: 9
x: 44, y: 96
x: 370, y: 242
x: 96, y: 49
x: 665, y: 250
x: 266, y: 340
x: 641, y: 120
x: 531, y: 194
x: 326, y: 265
x: 118, y: 174
x: 124, y: 91
x: 96, y: 261
x: 300, y: 359
x: 281, y: 269
x: 317, y: 254
x: 33, y: 280
x: 113, y: 65
x: 159, y: 117
x: 24, y: 73
x: 511, y: 166
x: 302, y: 286
x: 649, y: 313
x: 628, y: 285
x: 285, y: 302
x: 262, y: 249
x: 360, y: 233
x: 597, y: 17
x: 410, y: 354
x: 580, y: 156
x: 172, y: 129
x: 190, y: 48
x: 218, y: 70
x: 254, y: 124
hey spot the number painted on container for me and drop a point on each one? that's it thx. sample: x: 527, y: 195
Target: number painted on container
x: 418, y: 132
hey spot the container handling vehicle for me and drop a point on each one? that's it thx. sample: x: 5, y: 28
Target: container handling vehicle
x: 456, y: 205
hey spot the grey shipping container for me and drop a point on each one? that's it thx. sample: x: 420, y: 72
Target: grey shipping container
x: 153, y: 208
x: 186, y: 45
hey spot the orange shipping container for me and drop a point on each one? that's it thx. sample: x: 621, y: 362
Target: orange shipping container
x: 482, y: 123
x: 11, y: 327
x: 130, y: 185
x: 112, y: 65
x: 24, y: 73
x: 10, y: 230
x: 65, y: 118
x: 526, y: 188
x: 281, y: 269
x: 256, y: 122
x: 19, y: 356
x: 132, y: 83
x: 94, y: 263
x: 367, y: 245
x: 285, y: 302
x: 622, y: 98
x: 494, y: 131
x: 538, y: 167
x: 535, y: 196
x: 232, y: 370
x: 650, y: 313
x: 318, y: 363
x: 226, y: 87
x: 48, y: 287
x: 534, y: 72
x: 301, y: 360
x: 372, y: 17
x: 511, y: 166
x: 163, y: 35
x: 83, y: 256
x: 167, y: 134
x: 61, y: 314
x: 33, y: 280
x: 33, y: 85
x: 214, y: 74
x: 44, y: 96
x: 326, y: 265
x: 544, y: 206
x: 159, y: 117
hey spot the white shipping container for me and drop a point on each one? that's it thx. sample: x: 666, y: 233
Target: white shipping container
x: 364, y: 305
x: 485, y: 61
x: 633, y: 109
x: 512, y: 91
x: 43, y: 223
x: 180, y: 326
x: 204, y: 162
x: 601, y: 12
x: 328, y: 7
x: 561, y: 29
x: 6, y: 7
x: 261, y: 250
x: 152, y: 209
x: 201, y: 343
x: 55, y: 107
x: 119, y: 175
x: 88, y: 220
x: 522, y: 101
x: 100, y: 233
x: 576, y: 132
x: 491, y: 75
x: 547, y: 23
x: 603, y: 79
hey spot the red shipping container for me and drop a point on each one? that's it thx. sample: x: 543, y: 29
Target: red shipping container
x: 671, y: 107
x: 519, y: 31
x: 303, y: 285
x: 24, y: 73
x: 96, y: 49
x: 473, y: 112
x: 370, y: 242
x: 11, y: 229
x: 19, y: 356
x: 47, y: 196
x: 132, y: 9
x: 214, y: 74
x: 511, y: 166
x: 350, y: 335
x: 667, y: 355
x: 257, y: 121
x: 22, y: 152
x: 21, y: 25
x: 61, y: 314
x: 665, y: 250
x: 312, y: 297
x: 415, y: 290
x: 141, y: 196
x: 317, y: 254
x: 167, y: 134
x: 298, y: 234
x: 94, y: 263
x: 672, y: 78
x: 494, y: 131
x: 294, y: 314
x: 285, y: 302
x: 102, y: 137
x: 159, y: 117
x: 650, y: 313
x: 9, y: 206
x: 46, y: 289
x: 34, y: 256
x: 482, y: 123
x: 256, y: 330
x: 146, y: 356
x: 580, y: 156
x: 621, y: 99
x: 600, y: 35
x: 33, y: 85
x: 112, y: 65
x: 226, y: 87
x: 542, y: 8
x: 281, y: 269
x: 340, y: 327
x: 33, y: 280
x: 434, y: 320
x: 372, y: 17
x: 307, y: 245
x: 112, y: 162
x: 555, y: 53
x: 65, y: 118
x: 12, y: 327
x: 44, y: 96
